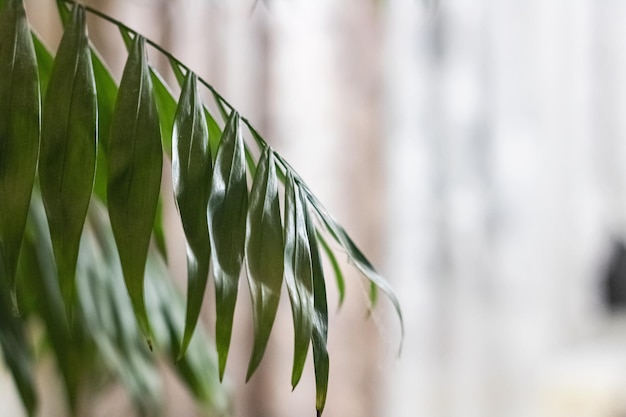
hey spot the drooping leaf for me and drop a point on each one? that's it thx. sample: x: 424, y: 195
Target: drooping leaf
x: 44, y: 64
x: 228, y: 205
x: 359, y: 259
x: 191, y: 178
x: 68, y: 149
x: 134, y: 164
x: 166, y: 108
x: 178, y: 72
x: 19, y: 129
x: 298, y: 276
x: 220, y: 105
x: 107, y: 94
x: 64, y: 11
x: 166, y: 105
x: 339, y: 279
x: 319, y: 335
x: 215, y: 132
x: 264, y: 254
x: 164, y: 99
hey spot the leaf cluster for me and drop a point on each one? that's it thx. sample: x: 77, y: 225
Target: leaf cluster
x: 83, y: 147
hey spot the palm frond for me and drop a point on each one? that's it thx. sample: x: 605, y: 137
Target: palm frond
x: 102, y: 145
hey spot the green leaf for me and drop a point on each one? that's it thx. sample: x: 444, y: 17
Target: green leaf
x: 339, y: 279
x: 220, y: 105
x: 107, y: 94
x: 44, y: 64
x: 68, y: 149
x: 64, y: 11
x: 14, y: 347
x: 178, y: 72
x: 166, y: 105
x: 264, y: 253
x: 298, y: 275
x: 319, y: 336
x: 215, y: 132
x: 228, y: 205
x: 19, y: 129
x: 165, y: 101
x: 359, y: 259
x: 191, y: 178
x: 135, y: 163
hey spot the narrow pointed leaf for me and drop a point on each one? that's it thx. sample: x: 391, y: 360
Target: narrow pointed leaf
x: 191, y: 178
x: 64, y: 12
x: 178, y: 72
x: 166, y: 105
x: 298, y: 276
x: 359, y: 259
x: 19, y: 129
x: 319, y: 336
x: 134, y: 163
x: 68, y: 149
x: 164, y: 99
x: 107, y: 94
x: 166, y: 108
x: 215, y: 132
x: 44, y: 63
x: 264, y: 254
x: 228, y: 205
x: 339, y: 278
x: 220, y: 105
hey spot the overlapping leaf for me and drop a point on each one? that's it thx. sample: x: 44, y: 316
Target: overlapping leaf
x: 68, y: 148
x: 134, y: 168
x: 359, y: 259
x: 73, y: 352
x: 298, y: 275
x: 332, y: 258
x: 319, y: 336
x: 264, y: 254
x: 19, y: 129
x: 228, y: 206
x: 191, y: 177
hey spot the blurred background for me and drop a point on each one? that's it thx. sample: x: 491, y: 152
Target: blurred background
x: 475, y: 150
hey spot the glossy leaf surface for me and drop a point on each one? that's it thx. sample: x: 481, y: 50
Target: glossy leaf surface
x: 264, y: 254
x: 135, y: 162
x: 191, y: 177
x: 228, y: 206
x: 319, y: 336
x: 298, y: 276
x: 19, y: 129
x: 68, y: 149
